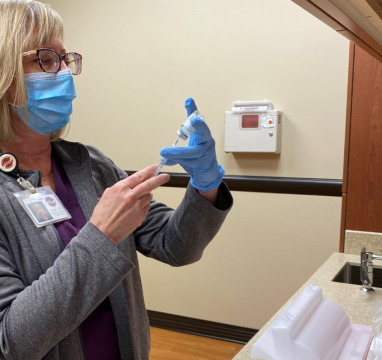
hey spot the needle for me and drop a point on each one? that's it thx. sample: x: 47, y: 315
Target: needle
x: 163, y: 161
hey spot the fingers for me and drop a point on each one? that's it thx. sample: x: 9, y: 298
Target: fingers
x: 140, y: 176
x: 171, y: 162
x: 190, y: 106
x: 202, y: 130
x: 186, y: 152
x: 150, y: 185
x: 146, y: 209
x: 145, y: 199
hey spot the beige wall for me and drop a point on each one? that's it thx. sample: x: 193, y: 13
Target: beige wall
x: 268, y: 247
x: 142, y: 59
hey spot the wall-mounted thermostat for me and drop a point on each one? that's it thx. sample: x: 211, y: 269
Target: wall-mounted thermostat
x: 253, y: 126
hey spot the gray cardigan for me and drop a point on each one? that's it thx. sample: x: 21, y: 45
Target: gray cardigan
x: 46, y: 292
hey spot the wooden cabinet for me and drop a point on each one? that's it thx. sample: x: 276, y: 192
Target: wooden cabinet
x: 358, y: 20
x: 362, y: 186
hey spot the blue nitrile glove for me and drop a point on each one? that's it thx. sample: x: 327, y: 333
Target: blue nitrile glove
x: 198, y: 158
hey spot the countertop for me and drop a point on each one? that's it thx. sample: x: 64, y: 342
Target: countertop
x: 358, y: 305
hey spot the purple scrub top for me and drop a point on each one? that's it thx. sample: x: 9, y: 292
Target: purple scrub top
x: 99, y: 334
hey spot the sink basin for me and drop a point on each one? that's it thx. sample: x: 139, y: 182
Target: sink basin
x: 351, y: 273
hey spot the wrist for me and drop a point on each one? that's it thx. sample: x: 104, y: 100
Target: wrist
x: 210, y: 195
x: 103, y: 230
x: 205, y: 181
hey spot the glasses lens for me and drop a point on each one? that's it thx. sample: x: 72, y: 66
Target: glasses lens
x: 74, y: 62
x: 49, y: 60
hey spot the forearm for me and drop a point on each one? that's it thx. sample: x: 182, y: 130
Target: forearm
x: 179, y: 238
x: 54, y: 305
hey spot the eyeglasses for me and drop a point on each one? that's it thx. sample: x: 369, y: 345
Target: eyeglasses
x: 50, y: 61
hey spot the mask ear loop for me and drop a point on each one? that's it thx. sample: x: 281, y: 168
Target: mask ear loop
x: 10, y: 103
x: 14, y: 106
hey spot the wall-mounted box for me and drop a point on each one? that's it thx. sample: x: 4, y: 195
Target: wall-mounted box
x: 253, y: 126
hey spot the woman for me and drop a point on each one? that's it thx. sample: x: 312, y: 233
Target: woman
x: 72, y: 290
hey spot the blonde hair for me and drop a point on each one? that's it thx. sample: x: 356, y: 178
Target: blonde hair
x: 23, y: 23
x: 36, y: 206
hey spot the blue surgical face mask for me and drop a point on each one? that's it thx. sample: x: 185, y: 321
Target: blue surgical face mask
x: 50, y: 98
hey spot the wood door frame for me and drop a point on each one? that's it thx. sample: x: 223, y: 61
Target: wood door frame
x: 347, y: 146
x: 331, y: 15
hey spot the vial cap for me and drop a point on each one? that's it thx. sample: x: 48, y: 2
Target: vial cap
x: 181, y: 135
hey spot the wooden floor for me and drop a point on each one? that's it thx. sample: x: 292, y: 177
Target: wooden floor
x: 170, y: 345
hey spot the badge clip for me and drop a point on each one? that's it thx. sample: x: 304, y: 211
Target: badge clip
x: 9, y: 165
x: 26, y: 185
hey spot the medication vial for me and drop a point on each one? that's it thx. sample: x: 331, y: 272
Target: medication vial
x: 184, y: 132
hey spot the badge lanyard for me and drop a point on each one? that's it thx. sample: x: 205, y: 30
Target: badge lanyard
x: 41, y: 204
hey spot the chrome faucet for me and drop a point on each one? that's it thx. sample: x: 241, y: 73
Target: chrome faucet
x: 367, y: 269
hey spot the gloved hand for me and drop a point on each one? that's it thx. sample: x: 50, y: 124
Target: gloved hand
x: 198, y: 158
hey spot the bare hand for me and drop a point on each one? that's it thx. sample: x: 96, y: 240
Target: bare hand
x: 125, y: 205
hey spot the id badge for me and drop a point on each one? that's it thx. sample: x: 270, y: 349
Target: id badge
x: 43, y: 206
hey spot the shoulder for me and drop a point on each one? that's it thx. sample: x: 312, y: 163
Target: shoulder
x: 97, y: 157
x: 80, y: 154
x: 100, y: 160
x: 72, y: 152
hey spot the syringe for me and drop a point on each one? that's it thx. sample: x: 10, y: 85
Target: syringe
x: 163, y: 161
x: 184, y: 132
